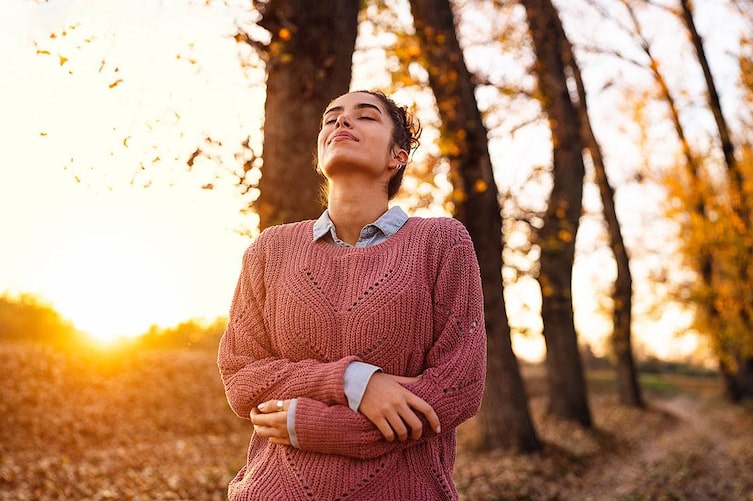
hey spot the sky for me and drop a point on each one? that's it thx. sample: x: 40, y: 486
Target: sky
x: 128, y: 83
x: 102, y: 104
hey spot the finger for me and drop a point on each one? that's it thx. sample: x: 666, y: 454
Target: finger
x: 277, y: 419
x: 385, y: 429
x: 413, y: 422
x: 276, y: 405
x: 398, y: 426
x: 406, y: 379
x: 281, y: 441
x: 272, y: 429
x: 427, y: 410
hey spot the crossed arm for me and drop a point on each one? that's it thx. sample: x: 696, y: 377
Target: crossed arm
x: 393, y: 408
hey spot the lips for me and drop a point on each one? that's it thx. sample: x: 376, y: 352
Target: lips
x: 343, y: 136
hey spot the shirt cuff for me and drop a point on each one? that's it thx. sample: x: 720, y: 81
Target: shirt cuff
x: 357, y: 376
x: 291, y: 423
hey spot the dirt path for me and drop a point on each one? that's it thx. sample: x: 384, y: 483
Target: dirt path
x: 704, y: 453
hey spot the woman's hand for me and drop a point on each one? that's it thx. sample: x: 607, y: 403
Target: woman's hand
x: 270, y: 421
x: 390, y: 406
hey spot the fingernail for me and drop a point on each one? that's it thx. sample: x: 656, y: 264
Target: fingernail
x: 438, y: 429
x: 262, y: 406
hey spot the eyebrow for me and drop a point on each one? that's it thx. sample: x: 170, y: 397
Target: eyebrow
x: 359, y: 106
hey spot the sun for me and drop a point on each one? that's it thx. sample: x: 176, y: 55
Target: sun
x: 111, y: 283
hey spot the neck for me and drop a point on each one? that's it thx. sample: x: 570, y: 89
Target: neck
x: 353, y: 207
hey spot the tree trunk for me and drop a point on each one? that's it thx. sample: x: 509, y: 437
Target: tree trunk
x: 504, y: 416
x: 715, y: 105
x: 738, y: 381
x: 737, y: 384
x: 567, y: 387
x: 622, y: 297
x: 309, y: 63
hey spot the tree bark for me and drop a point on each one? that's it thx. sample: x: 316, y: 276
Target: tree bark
x: 739, y: 382
x: 309, y: 63
x: 728, y: 148
x: 622, y: 296
x: 504, y: 415
x: 556, y: 239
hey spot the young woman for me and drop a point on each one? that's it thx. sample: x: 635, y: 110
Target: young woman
x: 356, y: 342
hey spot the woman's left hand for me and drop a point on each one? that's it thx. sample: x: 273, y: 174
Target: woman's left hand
x: 270, y: 421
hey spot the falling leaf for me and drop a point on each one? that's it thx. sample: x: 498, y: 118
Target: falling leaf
x: 193, y: 157
x: 115, y: 83
x: 63, y: 59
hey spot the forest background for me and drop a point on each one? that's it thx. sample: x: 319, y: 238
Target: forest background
x: 586, y: 132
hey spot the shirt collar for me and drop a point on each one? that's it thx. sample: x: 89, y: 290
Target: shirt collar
x: 388, y: 223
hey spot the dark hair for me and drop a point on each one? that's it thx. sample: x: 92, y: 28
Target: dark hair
x: 406, y: 131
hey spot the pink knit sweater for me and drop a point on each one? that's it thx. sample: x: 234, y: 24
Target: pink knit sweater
x: 304, y: 310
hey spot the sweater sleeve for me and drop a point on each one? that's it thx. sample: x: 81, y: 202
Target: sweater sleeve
x: 252, y: 372
x: 452, y: 382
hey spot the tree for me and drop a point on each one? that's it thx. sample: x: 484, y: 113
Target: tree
x: 713, y: 215
x: 308, y: 63
x: 504, y: 414
x: 730, y: 277
x: 622, y: 296
x: 556, y: 239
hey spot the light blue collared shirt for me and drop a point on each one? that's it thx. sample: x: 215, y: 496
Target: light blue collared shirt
x: 357, y: 374
x: 380, y: 230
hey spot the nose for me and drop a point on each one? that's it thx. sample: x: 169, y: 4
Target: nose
x: 343, y: 120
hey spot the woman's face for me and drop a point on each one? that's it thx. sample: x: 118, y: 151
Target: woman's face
x: 356, y: 137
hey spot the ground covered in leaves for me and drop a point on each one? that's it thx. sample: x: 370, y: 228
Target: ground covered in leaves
x: 147, y: 425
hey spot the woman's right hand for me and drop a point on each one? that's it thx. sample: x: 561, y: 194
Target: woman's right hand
x: 391, y: 407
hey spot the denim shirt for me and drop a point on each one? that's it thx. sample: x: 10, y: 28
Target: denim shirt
x: 357, y: 374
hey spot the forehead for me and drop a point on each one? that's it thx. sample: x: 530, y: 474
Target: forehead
x: 355, y: 100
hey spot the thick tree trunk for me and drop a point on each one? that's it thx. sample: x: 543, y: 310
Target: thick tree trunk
x: 309, y: 63
x: 627, y: 379
x: 504, y: 416
x: 567, y: 387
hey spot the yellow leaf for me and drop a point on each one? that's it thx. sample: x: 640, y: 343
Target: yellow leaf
x: 63, y: 60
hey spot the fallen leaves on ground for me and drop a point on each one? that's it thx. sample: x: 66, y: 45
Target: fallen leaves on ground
x: 147, y: 425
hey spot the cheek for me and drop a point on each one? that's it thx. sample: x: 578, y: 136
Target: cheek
x: 319, y: 146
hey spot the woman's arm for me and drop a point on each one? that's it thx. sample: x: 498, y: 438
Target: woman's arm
x: 251, y: 371
x: 452, y: 383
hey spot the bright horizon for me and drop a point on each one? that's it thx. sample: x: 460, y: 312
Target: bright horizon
x: 111, y: 257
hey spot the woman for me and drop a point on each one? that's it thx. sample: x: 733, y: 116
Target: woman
x: 356, y: 342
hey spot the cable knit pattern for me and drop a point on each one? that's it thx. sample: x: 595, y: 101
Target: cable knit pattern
x: 302, y: 311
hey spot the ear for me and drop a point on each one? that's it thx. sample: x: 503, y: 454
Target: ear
x: 399, y: 159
